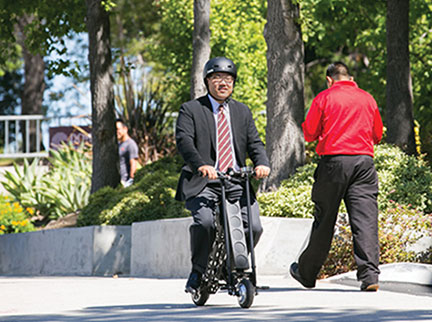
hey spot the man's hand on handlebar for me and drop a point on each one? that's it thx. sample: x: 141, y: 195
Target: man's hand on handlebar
x: 208, y: 171
x: 261, y: 171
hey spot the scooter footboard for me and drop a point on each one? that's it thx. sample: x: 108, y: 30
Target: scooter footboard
x: 237, y: 236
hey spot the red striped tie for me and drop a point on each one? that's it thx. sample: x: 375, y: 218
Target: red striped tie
x: 224, y: 142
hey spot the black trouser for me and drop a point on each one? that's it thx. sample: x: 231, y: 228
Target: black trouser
x: 202, y: 208
x: 353, y: 179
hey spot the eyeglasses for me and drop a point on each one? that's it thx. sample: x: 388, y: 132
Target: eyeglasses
x: 219, y: 78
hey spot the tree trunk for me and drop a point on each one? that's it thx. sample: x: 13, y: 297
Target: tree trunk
x: 285, y: 102
x: 399, y: 100
x: 201, y: 46
x: 33, y: 88
x: 104, y: 141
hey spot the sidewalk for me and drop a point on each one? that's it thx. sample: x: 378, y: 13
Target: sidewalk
x: 141, y: 299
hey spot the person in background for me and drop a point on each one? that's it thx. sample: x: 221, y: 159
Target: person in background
x: 215, y: 133
x: 346, y: 122
x: 128, y: 154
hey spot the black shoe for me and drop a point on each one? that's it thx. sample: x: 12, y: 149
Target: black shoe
x: 366, y: 287
x: 294, y: 271
x: 193, y: 282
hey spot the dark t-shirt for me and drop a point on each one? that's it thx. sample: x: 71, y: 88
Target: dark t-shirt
x: 127, y: 150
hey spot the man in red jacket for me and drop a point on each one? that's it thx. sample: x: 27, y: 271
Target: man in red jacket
x: 346, y: 122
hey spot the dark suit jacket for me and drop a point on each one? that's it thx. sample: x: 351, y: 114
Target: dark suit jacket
x: 196, y: 141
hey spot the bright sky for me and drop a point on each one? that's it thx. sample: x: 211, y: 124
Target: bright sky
x: 67, y: 96
x: 73, y: 97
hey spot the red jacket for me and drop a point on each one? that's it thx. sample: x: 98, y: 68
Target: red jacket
x: 345, y: 120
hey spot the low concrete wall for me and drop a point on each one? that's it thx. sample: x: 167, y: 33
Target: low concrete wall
x: 93, y: 250
x: 161, y: 248
x: 280, y: 244
x: 157, y: 248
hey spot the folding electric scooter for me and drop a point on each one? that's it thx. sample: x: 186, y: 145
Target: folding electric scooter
x: 228, y: 264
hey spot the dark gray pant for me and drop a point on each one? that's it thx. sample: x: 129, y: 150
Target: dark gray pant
x: 354, y: 180
x: 202, y: 208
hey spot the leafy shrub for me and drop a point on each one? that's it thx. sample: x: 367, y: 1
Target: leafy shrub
x: 293, y: 198
x: 400, y: 227
x: 58, y: 191
x: 404, y: 200
x: 13, y: 218
x: 404, y: 179
x: 150, y: 197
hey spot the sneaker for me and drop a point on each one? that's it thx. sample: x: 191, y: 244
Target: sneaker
x: 193, y: 282
x: 369, y: 287
x: 294, y: 271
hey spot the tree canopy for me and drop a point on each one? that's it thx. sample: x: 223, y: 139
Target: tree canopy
x: 347, y: 30
x: 160, y: 31
x: 236, y: 32
x: 45, y: 34
x: 355, y: 31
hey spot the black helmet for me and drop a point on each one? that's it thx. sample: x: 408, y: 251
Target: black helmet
x: 220, y: 64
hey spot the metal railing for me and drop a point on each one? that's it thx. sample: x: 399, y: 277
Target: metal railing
x: 17, y: 141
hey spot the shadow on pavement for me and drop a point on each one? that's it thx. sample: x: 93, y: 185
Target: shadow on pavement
x: 188, y: 312
x: 296, y: 289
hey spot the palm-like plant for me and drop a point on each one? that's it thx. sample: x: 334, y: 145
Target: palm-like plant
x: 140, y: 104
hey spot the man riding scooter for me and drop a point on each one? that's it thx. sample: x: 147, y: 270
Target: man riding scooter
x: 215, y: 133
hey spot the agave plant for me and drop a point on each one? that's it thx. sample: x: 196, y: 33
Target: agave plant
x: 56, y: 191
x: 25, y: 183
x: 68, y: 185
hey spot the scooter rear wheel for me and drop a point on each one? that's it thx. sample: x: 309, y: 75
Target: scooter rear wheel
x: 246, y: 293
x: 200, y: 297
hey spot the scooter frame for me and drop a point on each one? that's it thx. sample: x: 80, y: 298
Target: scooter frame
x: 220, y: 272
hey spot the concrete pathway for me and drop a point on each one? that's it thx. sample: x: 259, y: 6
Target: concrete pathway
x: 141, y: 299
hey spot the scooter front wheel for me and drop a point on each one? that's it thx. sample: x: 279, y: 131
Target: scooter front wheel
x: 245, y: 293
x: 200, y: 297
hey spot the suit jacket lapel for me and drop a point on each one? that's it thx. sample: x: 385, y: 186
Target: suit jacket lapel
x: 209, y: 117
x: 236, y: 130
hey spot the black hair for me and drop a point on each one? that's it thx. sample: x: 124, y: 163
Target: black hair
x: 122, y: 122
x: 337, y: 69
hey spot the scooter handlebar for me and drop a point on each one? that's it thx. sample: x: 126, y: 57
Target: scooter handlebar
x: 244, y: 171
x: 231, y: 173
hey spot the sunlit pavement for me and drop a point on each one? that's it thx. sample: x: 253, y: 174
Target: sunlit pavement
x: 149, y: 299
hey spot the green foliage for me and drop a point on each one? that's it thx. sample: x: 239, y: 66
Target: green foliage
x: 404, y: 202
x: 404, y: 179
x: 10, y: 94
x: 346, y: 30
x: 399, y: 228
x: 293, y: 198
x: 355, y: 32
x: 67, y: 186
x: 13, y: 218
x: 108, y: 5
x: 132, y: 21
x: 421, y: 67
x: 52, y: 20
x: 25, y: 186
x: 236, y: 32
x: 56, y: 192
x: 169, y: 50
x: 140, y: 104
x: 150, y: 197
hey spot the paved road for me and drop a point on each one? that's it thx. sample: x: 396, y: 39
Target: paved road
x: 141, y: 299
